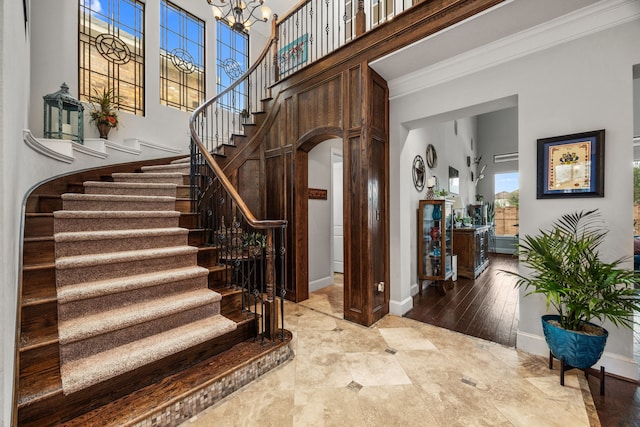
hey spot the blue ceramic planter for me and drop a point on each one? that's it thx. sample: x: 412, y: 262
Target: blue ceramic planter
x: 576, y: 349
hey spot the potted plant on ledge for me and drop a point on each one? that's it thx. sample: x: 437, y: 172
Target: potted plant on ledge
x: 568, y: 271
x: 103, y: 112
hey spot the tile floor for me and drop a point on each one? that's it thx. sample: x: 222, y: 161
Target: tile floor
x: 401, y: 372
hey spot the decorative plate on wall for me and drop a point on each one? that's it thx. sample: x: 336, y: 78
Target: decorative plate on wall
x: 418, y: 173
x: 432, y: 156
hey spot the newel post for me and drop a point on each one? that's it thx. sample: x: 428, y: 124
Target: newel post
x: 361, y: 18
x: 271, y: 306
x: 276, y: 39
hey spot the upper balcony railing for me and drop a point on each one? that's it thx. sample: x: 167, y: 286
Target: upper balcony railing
x: 315, y: 28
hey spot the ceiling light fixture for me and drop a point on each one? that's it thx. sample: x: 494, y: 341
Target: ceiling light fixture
x: 240, y: 15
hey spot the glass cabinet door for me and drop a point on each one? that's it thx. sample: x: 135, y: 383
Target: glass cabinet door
x: 435, y: 247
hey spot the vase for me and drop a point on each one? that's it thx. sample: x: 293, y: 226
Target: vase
x: 104, y: 129
x: 437, y: 212
x: 435, y: 233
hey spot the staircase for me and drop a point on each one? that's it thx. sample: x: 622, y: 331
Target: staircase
x: 128, y: 294
x: 124, y: 294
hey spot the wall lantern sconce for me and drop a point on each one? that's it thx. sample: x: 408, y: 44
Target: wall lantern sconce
x: 63, y: 116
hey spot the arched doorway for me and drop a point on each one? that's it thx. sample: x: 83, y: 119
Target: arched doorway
x: 326, y: 228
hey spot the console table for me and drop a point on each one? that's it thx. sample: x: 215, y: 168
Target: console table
x: 472, y: 247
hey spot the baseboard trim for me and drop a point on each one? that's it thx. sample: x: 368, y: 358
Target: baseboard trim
x: 399, y: 308
x: 320, y: 283
x: 613, y: 363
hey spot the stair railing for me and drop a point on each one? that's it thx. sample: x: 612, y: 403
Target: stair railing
x: 251, y: 251
x: 315, y: 28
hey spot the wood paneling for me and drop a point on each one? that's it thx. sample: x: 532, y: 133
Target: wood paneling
x: 249, y: 185
x: 355, y: 239
x: 301, y: 227
x: 353, y: 92
x: 327, y: 106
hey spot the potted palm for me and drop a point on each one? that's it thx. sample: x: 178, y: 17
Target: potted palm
x: 568, y: 271
x: 103, y: 112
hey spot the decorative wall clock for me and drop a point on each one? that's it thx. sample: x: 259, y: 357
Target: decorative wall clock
x: 432, y: 156
x: 418, y: 173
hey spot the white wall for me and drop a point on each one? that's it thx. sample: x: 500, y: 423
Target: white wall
x: 452, y: 150
x: 14, y: 65
x: 320, y: 215
x: 636, y: 100
x: 497, y: 134
x: 579, y: 83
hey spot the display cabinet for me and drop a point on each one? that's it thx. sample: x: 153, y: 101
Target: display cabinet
x: 472, y: 249
x: 435, y: 242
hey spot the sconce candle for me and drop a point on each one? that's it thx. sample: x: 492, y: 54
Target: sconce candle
x: 431, y: 182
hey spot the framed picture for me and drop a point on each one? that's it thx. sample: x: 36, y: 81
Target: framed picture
x: 571, y: 165
x: 294, y: 54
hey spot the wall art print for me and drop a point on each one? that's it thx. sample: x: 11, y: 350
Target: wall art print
x: 294, y: 55
x: 571, y: 165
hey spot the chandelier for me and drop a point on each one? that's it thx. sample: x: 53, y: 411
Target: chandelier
x: 239, y: 14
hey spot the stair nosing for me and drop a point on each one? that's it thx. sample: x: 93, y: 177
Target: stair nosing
x: 37, y: 239
x: 38, y: 266
x: 113, y: 214
x: 114, y: 197
x: 80, y: 236
x: 32, y: 302
x: 127, y: 184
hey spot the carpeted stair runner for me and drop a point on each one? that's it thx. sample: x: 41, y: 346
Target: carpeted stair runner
x: 129, y: 289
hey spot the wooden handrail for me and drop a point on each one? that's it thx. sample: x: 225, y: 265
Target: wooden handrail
x: 244, y: 209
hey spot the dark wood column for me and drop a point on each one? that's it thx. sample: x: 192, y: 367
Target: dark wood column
x: 366, y: 294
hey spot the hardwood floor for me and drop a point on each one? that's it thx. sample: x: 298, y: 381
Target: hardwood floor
x: 485, y: 308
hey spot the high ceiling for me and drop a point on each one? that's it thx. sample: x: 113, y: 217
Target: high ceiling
x: 503, y: 20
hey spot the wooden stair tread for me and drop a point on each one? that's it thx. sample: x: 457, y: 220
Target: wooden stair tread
x: 38, y: 239
x: 38, y: 214
x: 38, y: 266
x: 216, y: 268
x: 37, y: 300
x: 41, y: 391
x: 38, y: 342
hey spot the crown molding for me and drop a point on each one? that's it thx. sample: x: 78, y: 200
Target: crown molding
x: 589, y: 20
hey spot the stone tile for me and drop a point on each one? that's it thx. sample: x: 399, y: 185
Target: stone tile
x: 321, y: 370
x: 356, y: 340
x: 310, y: 341
x: 327, y: 407
x: 376, y: 368
x: 281, y: 378
x: 394, y: 405
x: 246, y: 407
x: 312, y: 320
x: 406, y: 339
